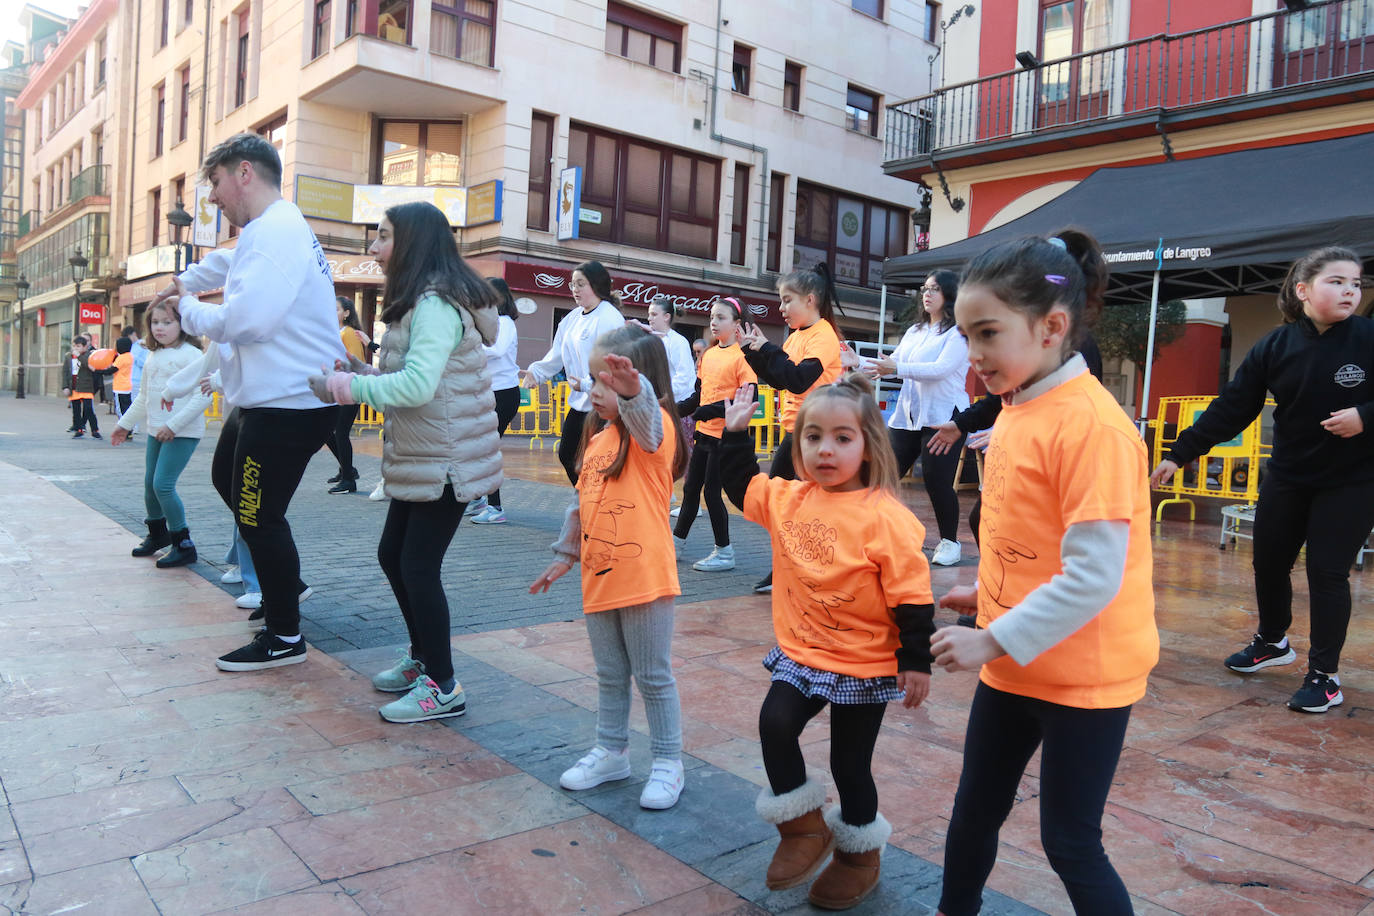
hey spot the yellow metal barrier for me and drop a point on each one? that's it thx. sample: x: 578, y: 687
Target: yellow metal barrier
x: 369, y: 418
x: 215, y: 412
x: 1233, y: 465
x: 767, y: 432
x: 541, y: 412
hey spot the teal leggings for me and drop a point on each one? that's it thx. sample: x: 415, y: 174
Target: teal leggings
x: 162, y: 465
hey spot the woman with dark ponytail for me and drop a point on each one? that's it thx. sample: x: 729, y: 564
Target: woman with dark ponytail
x: 597, y: 312
x: 1319, y: 485
x: 808, y: 358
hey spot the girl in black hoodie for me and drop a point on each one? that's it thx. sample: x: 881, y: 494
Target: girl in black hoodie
x: 1319, y: 486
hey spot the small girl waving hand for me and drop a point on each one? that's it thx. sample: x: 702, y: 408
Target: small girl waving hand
x: 852, y: 614
x: 1065, y: 608
x: 630, y: 453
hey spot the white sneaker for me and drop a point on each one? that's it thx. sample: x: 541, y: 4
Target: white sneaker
x: 679, y: 544
x: 947, y: 553
x: 491, y: 515
x: 379, y: 493
x: 678, y: 511
x: 232, y: 576
x: 600, y: 765
x: 721, y: 559
x: 476, y: 506
x: 664, y: 785
x: 249, y: 601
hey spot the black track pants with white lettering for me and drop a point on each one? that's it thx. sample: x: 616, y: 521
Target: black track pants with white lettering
x: 261, y: 455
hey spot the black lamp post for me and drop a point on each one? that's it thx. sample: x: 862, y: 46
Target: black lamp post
x: 180, y: 221
x: 79, y: 264
x: 22, y: 289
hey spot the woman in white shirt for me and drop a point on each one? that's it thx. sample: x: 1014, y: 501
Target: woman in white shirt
x: 597, y: 312
x: 505, y: 385
x: 932, y: 362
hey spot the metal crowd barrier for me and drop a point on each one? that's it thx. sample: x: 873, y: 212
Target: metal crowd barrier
x: 1228, y: 471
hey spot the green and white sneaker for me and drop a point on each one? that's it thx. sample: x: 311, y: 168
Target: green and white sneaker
x: 400, y: 677
x: 426, y: 701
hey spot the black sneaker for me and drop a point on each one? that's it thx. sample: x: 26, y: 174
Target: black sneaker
x: 1260, y: 654
x: 1318, y: 693
x: 95, y: 434
x: 265, y: 651
x: 79, y: 434
x: 765, y: 585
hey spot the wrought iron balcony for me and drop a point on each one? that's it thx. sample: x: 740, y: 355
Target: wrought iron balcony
x: 91, y: 182
x: 1248, y: 68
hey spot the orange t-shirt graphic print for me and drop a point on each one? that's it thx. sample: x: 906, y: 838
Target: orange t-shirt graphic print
x: 816, y: 342
x: 722, y: 371
x: 1068, y: 456
x: 627, y: 547
x: 841, y: 562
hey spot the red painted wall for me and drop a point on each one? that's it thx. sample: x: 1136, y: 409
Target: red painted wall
x: 1187, y: 366
x: 997, y: 37
x: 1148, y: 16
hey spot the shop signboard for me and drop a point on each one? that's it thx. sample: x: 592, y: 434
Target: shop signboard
x: 91, y: 313
x: 205, y: 219
x: 321, y: 198
x: 484, y: 203
x: 569, y: 202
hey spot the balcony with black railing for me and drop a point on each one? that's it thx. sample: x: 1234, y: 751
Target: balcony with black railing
x: 90, y: 182
x: 1319, y: 56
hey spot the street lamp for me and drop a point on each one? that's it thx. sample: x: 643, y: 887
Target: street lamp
x: 21, y: 287
x: 180, y: 221
x: 79, y: 263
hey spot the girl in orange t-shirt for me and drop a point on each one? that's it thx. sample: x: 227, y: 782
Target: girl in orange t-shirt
x: 1067, y: 634
x: 629, y: 456
x: 807, y: 359
x: 852, y: 614
x: 720, y: 372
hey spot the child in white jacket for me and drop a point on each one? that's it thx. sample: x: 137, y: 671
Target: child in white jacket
x: 175, y: 427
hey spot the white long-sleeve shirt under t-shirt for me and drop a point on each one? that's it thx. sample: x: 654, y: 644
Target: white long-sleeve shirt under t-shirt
x: 278, y: 314
x: 505, y: 372
x: 572, y: 348
x: 682, y: 365
x: 932, y: 366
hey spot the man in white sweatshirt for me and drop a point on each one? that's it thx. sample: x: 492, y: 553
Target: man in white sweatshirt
x: 279, y: 322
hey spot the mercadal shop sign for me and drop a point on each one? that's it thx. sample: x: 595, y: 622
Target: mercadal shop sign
x: 691, y: 301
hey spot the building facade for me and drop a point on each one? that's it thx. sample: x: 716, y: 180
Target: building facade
x: 1040, y: 93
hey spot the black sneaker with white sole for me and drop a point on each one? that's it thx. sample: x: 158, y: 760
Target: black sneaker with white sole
x: 1259, y: 655
x: 265, y: 651
x: 1318, y: 693
x: 765, y: 585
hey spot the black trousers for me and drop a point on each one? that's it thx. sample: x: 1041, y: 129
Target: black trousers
x: 703, y: 470
x: 340, y: 441
x: 853, y: 735
x: 507, y: 406
x: 937, y: 473
x: 411, y: 552
x: 1333, y: 522
x: 83, y: 412
x: 125, y: 399
x: 572, y: 438
x: 1081, y: 749
x: 261, y: 455
x: 782, y: 465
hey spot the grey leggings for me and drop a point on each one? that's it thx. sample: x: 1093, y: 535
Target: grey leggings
x: 636, y: 641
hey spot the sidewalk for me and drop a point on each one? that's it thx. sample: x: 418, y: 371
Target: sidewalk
x: 138, y: 779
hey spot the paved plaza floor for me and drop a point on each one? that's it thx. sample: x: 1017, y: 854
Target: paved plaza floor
x: 137, y: 778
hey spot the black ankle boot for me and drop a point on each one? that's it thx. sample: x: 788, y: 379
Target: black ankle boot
x: 157, y: 538
x: 183, y: 552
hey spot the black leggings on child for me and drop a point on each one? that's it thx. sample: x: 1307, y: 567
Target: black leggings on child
x: 340, y: 443
x: 83, y: 412
x: 703, y: 470
x: 853, y: 734
x: 571, y: 438
x: 1080, y: 751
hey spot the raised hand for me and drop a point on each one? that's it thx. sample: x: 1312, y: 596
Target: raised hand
x: 623, y: 377
x: 750, y: 336
x: 963, y: 649
x: 739, y: 410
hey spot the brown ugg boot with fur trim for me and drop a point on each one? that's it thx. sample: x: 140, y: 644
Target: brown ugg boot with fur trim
x: 853, y: 873
x: 806, y: 839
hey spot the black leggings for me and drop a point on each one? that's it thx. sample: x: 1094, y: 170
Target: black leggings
x: 341, y: 443
x: 83, y: 412
x: 124, y: 399
x: 507, y: 406
x: 853, y: 733
x: 704, y: 469
x: 781, y: 465
x: 937, y: 472
x: 567, y: 445
x: 1077, y: 764
x: 1334, y: 522
x: 414, y: 540
x: 259, y: 459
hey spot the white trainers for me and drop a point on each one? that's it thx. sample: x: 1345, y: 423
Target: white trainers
x: 600, y: 765
x: 664, y: 785
x: 476, y: 506
x: 721, y: 559
x: 232, y: 576
x: 678, y: 511
x: 947, y: 553
x: 491, y: 515
x: 380, y: 493
x: 249, y: 601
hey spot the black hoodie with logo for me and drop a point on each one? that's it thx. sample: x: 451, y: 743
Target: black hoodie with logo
x: 1311, y: 375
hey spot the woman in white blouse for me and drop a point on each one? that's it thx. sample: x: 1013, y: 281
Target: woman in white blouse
x: 596, y: 314
x: 932, y: 362
x: 505, y: 387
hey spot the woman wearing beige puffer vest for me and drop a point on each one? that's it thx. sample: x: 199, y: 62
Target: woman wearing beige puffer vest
x: 441, y: 449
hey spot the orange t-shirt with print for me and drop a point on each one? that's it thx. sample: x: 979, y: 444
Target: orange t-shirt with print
x: 627, y: 546
x: 1067, y: 456
x: 722, y: 371
x: 841, y: 563
x: 816, y: 342
x: 123, y: 380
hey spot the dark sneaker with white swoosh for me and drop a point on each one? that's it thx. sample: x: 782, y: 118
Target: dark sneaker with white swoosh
x: 265, y: 651
x: 1260, y: 654
x: 1318, y: 693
